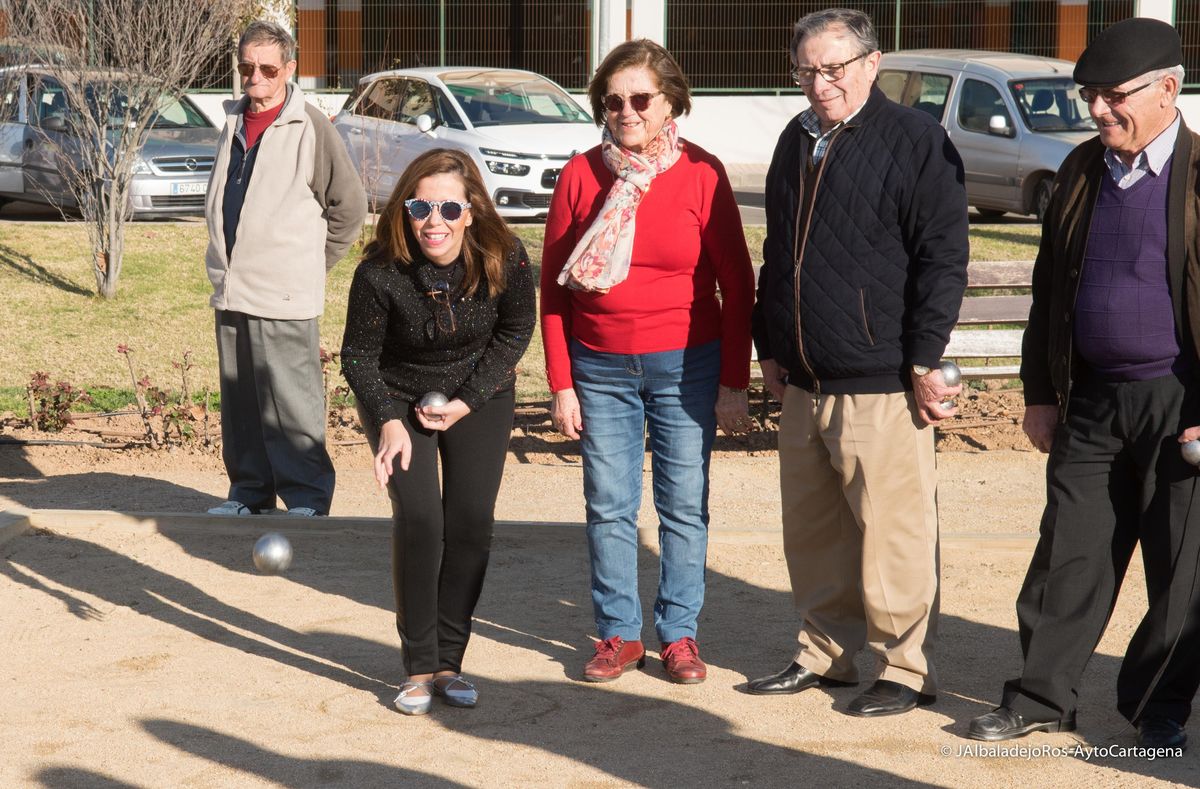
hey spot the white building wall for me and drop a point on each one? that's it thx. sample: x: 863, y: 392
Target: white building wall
x: 648, y: 19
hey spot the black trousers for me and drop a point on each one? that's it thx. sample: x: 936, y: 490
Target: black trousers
x: 442, y: 533
x: 1114, y: 477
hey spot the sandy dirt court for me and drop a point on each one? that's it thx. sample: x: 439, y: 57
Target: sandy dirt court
x: 144, y: 650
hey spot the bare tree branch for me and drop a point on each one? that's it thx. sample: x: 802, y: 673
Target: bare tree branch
x: 116, y: 64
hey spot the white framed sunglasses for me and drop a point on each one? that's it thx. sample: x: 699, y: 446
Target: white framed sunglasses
x: 449, y: 209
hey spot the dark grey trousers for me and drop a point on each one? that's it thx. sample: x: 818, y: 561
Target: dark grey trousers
x: 273, y: 412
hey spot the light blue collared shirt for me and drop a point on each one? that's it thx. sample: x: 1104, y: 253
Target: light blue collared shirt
x: 812, y: 124
x: 1151, y: 160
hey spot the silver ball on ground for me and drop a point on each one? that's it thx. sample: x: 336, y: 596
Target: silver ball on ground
x: 1191, y: 451
x: 272, y: 553
x: 433, y: 400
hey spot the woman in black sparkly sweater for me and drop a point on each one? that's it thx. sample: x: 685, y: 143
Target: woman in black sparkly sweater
x: 443, y: 301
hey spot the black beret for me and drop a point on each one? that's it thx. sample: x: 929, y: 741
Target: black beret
x: 1127, y: 49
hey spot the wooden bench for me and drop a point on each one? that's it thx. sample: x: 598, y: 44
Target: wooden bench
x: 973, y: 349
x: 999, y: 274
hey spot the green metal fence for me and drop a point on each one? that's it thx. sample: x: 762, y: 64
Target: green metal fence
x: 730, y: 46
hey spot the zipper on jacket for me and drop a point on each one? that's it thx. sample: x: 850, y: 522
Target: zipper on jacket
x: 798, y: 257
x: 862, y: 308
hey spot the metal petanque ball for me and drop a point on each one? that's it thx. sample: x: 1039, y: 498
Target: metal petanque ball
x: 272, y: 553
x: 433, y: 400
x: 1191, y: 451
x: 951, y: 375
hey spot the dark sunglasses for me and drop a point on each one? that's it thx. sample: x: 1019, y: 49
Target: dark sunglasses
x: 449, y: 209
x: 268, y: 71
x: 1112, y: 97
x: 443, y: 313
x: 639, y: 101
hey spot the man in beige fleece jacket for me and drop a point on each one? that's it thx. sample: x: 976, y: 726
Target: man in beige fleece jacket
x: 284, y: 204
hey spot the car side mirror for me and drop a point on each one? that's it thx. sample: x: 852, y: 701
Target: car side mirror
x: 54, y: 123
x: 426, y: 124
x: 998, y: 125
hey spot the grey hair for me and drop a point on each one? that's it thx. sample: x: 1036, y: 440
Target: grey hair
x: 1172, y: 71
x: 261, y: 32
x: 856, y: 23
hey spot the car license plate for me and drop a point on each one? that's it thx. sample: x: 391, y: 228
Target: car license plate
x: 190, y: 189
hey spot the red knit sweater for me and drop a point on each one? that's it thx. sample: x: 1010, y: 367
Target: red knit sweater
x: 688, y: 241
x: 255, y: 123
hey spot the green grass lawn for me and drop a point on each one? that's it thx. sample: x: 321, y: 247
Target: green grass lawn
x: 52, y: 321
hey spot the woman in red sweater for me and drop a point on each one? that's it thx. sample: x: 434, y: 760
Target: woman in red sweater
x: 643, y: 230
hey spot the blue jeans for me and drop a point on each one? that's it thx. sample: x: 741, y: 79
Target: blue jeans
x: 671, y: 396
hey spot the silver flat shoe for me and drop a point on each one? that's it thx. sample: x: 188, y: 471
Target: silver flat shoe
x: 456, y: 691
x: 414, y: 705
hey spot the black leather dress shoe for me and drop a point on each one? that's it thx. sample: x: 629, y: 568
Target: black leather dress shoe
x: 1005, y: 723
x: 1158, y: 731
x: 792, y: 679
x: 887, y: 698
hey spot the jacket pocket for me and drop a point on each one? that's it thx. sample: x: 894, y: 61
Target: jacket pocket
x: 864, y: 306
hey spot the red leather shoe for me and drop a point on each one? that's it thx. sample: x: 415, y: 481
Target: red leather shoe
x: 613, y: 656
x: 682, y: 661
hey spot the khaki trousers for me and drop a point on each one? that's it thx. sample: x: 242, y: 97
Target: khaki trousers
x: 858, y: 480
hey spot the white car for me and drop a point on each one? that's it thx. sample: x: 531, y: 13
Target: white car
x: 519, y: 127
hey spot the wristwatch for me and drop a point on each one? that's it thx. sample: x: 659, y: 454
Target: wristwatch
x: 920, y: 370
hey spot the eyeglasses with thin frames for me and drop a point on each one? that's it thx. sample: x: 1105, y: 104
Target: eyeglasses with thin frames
x: 831, y: 73
x: 268, y: 71
x: 443, y: 312
x: 1112, y: 97
x: 639, y: 101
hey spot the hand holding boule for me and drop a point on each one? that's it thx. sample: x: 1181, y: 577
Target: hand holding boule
x: 951, y: 376
x: 432, y: 400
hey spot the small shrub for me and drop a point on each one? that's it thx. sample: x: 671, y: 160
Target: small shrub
x: 50, y: 403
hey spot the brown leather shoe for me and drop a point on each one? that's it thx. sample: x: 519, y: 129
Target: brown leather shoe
x: 682, y: 661
x: 613, y: 656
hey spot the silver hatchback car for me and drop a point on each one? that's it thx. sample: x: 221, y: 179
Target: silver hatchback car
x: 170, y: 177
x: 1013, y: 118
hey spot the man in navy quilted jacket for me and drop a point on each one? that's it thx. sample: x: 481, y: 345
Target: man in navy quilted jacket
x: 865, y: 264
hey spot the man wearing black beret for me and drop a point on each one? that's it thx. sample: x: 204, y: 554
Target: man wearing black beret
x: 1110, y: 368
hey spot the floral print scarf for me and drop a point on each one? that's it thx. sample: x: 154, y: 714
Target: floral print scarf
x: 601, y: 258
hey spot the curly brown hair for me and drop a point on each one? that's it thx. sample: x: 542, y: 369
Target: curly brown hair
x: 487, y: 241
x: 641, y: 52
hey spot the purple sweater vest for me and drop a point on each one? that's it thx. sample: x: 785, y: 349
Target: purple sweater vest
x: 1124, y: 322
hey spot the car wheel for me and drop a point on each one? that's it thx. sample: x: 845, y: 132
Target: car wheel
x: 1041, y: 199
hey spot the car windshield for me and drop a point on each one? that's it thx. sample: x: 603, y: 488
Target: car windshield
x: 1051, y: 105
x: 496, y: 98
x: 171, y: 113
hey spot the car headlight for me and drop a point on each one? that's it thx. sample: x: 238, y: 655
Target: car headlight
x: 505, y: 168
x: 141, y: 167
